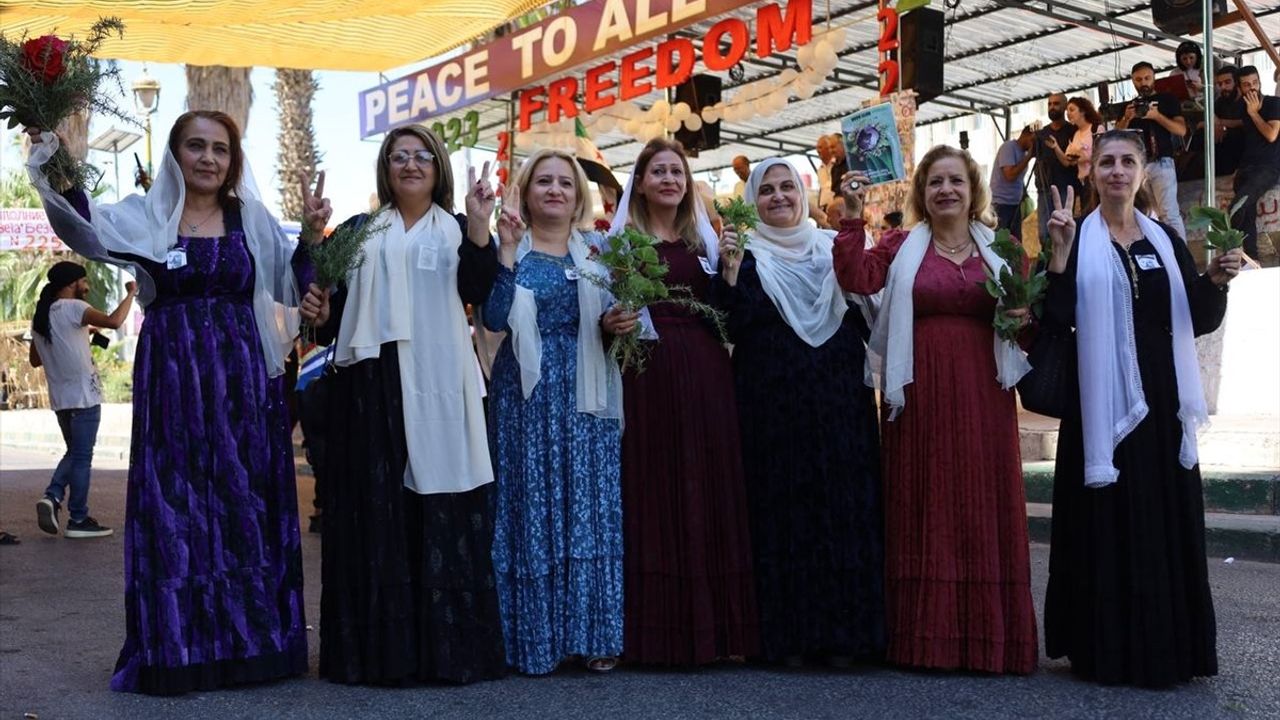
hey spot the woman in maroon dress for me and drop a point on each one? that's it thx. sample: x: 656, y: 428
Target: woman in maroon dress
x: 957, y: 575
x: 689, y: 595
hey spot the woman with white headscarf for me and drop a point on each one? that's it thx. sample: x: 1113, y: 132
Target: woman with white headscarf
x: 957, y: 565
x: 1128, y: 598
x: 809, y: 438
x: 555, y: 411
x: 689, y: 594
x: 408, y: 592
x: 213, y: 563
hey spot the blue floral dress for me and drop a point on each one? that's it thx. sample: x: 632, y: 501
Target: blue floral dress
x: 557, y: 548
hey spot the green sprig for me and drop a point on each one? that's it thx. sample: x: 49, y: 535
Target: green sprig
x: 635, y: 276
x: 1013, y: 288
x: 1219, y: 235
x: 342, y: 253
x: 740, y: 214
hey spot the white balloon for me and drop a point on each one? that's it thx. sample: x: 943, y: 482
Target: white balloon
x: 605, y: 124
x: 693, y: 122
x: 836, y: 36
x: 711, y: 113
x: 681, y: 110
x: 672, y: 123
x: 805, y: 54
x: 787, y: 76
x: 661, y: 109
x: 803, y: 89
x: 632, y: 126
x: 523, y: 140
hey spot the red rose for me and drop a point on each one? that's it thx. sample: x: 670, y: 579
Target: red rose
x: 44, y: 57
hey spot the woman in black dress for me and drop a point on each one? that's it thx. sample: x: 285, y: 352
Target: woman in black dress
x: 1128, y: 600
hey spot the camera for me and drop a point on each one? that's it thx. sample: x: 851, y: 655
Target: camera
x: 1140, y: 108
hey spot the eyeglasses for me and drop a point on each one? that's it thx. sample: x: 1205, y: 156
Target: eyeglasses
x: 400, y: 158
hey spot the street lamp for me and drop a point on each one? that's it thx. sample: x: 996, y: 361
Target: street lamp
x: 146, y: 98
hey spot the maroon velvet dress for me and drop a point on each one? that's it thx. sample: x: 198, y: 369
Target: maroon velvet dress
x: 689, y: 593
x: 957, y: 566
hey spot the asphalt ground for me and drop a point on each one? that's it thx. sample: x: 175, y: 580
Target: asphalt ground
x: 62, y: 615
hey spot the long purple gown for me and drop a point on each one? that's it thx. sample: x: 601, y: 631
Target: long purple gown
x: 213, y: 563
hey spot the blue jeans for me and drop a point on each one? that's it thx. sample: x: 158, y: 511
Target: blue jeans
x: 80, y: 432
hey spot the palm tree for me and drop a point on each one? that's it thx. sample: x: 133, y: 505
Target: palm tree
x: 215, y: 87
x: 295, y: 90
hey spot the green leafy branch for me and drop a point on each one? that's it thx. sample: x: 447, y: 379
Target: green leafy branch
x: 1013, y: 288
x: 1219, y: 235
x: 741, y: 215
x: 635, y: 276
x: 342, y: 253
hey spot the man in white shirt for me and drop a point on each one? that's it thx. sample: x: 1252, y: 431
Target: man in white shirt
x: 823, y: 146
x: 60, y: 343
x: 741, y: 168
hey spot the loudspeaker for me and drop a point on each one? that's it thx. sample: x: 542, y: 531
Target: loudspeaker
x: 1182, y: 17
x: 699, y: 91
x: 920, y: 52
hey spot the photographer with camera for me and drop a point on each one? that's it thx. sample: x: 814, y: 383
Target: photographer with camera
x: 60, y: 338
x: 1159, y: 117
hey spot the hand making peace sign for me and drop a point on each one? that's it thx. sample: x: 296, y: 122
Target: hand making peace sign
x: 1062, y: 228
x: 315, y: 208
x: 480, y: 195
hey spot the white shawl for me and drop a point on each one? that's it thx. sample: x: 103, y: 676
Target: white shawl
x: 599, y: 382
x: 795, y: 267
x: 891, y: 353
x: 407, y: 292
x: 146, y: 226
x: 1112, y: 402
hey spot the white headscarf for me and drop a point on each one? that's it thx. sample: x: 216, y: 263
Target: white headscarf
x: 891, y: 353
x: 795, y: 267
x: 706, y: 234
x: 599, y: 382
x: 1112, y: 402
x: 406, y: 292
x: 147, y: 226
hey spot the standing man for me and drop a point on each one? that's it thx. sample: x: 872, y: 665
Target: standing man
x: 741, y: 168
x: 1228, y: 112
x: 1006, y: 180
x: 823, y: 146
x: 1050, y: 173
x: 60, y: 343
x: 1159, y: 117
x: 1259, y: 169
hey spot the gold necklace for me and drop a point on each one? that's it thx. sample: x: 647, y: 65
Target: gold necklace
x: 192, y: 227
x: 953, y: 250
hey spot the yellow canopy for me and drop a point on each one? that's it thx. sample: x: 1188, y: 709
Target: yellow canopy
x: 304, y: 34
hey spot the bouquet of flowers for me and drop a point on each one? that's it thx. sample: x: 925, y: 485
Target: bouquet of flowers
x: 741, y: 215
x: 1014, y: 288
x: 1219, y: 235
x: 47, y: 79
x: 635, y: 279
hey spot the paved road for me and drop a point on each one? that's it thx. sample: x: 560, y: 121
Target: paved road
x: 61, y: 625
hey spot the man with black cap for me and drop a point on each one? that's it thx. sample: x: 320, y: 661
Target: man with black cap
x: 60, y: 343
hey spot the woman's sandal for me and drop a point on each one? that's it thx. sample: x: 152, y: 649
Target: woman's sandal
x: 602, y: 663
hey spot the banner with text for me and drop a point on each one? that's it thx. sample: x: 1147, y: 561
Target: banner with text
x: 27, y: 229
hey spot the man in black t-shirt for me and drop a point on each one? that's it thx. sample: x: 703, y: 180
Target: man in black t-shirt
x: 1228, y: 109
x: 1159, y: 117
x: 1259, y: 169
x: 1049, y: 172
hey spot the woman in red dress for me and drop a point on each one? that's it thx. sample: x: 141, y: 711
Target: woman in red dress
x: 689, y: 593
x: 957, y: 571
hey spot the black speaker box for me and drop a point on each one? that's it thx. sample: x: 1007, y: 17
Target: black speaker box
x: 920, y: 34
x: 1182, y: 17
x: 699, y: 91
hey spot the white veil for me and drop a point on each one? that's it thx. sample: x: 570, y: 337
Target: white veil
x: 146, y: 226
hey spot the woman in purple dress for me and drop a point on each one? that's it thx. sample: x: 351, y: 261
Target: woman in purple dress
x: 213, y: 565
x: 689, y: 596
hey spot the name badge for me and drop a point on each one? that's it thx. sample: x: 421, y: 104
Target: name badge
x: 427, y: 257
x: 176, y: 259
x: 1147, y: 262
x: 571, y: 273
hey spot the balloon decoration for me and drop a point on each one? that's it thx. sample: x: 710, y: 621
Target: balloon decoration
x: 817, y: 59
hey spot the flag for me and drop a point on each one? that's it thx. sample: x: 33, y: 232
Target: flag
x: 592, y: 160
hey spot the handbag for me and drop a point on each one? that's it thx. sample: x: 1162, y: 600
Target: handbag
x: 1050, y: 387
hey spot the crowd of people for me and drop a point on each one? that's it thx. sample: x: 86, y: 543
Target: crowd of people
x: 755, y: 505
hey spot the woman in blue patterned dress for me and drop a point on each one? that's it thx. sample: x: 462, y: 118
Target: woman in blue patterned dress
x: 213, y: 561
x: 555, y: 428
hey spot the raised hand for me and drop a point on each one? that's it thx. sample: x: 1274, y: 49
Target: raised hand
x: 853, y: 188
x: 1062, y: 228
x: 480, y: 195
x: 1225, y: 267
x: 1252, y: 102
x: 510, y: 226
x: 316, y: 210
x: 730, y: 254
